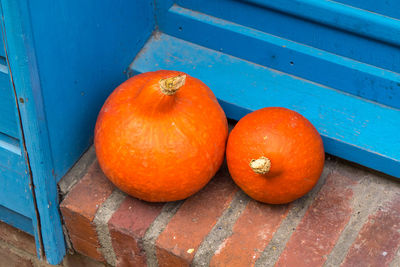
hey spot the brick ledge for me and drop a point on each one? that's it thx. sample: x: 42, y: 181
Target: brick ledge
x: 352, y: 215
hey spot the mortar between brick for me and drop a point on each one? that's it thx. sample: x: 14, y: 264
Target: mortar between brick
x: 299, y: 207
x: 156, y: 228
x: 221, y: 230
x: 101, y: 219
x: 76, y: 172
x: 365, y: 191
x: 70, y: 247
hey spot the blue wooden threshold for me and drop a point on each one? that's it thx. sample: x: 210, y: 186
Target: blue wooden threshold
x: 352, y: 128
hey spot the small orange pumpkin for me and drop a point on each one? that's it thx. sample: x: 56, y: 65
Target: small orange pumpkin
x: 161, y: 136
x: 275, y: 155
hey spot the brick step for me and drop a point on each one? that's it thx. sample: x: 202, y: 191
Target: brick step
x: 17, y: 248
x: 351, y: 218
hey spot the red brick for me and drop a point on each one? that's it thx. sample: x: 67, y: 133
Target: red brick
x: 90, y: 248
x: 17, y: 238
x: 251, y: 234
x: 8, y: 258
x: 379, y: 238
x: 166, y: 259
x: 128, y: 226
x: 79, y: 209
x: 79, y: 225
x: 321, y: 226
x: 183, y: 235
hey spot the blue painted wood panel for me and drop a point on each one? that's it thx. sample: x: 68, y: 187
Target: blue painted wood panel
x: 280, y: 22
x: 8, y: 118
x: 17, y: 220
x: 390, y: 8
x: 16, y: 201
x: 17, y: 205
x: 336, y: 15
x: 82, y: 55
x: 351, y: 127
x: 11, y: 155
x: 15, y: 192
x: 317, y: 65
x: 2, y: 49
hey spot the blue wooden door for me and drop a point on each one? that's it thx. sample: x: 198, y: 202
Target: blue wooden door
x: 17, y: 206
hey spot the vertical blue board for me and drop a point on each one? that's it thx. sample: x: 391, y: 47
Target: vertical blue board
x: 17, y: 206
x: 35, y: 145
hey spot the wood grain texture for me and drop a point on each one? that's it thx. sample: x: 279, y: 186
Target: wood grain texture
x: 16, y: 200
x: 82, y: 51
x: 337, y: 15
x: 390, y: 8
x: 312, y: 33
x: 11, y: 154
x: 352, y: 128
x: 17, y: 220
x: 8, y: 117
x: 15, y: 193
x: 330, y: 69
x: 22, y: 62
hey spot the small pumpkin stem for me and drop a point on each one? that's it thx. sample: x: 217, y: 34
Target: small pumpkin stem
x: 170, y: 86
x: 261, y: 165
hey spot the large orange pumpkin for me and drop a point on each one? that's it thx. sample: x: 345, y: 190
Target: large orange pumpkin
x: 275, y: 155
x: 161, y: 136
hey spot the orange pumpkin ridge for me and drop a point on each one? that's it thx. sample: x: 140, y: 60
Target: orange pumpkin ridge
x: 161, y: 136
x: 275, y: 155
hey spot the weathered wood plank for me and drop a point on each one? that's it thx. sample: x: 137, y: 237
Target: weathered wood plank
x: 294, y: 58
x: 313, y: 33
x: 8, y: 115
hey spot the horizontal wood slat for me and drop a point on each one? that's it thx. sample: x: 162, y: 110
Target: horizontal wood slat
x: 8, y: 115
x: 338, y: 15
x: 294, y: 58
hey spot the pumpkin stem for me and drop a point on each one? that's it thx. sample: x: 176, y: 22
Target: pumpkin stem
x: 170, y: 86
x: 261, y: 165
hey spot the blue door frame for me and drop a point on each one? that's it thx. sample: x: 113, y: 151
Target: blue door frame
x: 25, y: 80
